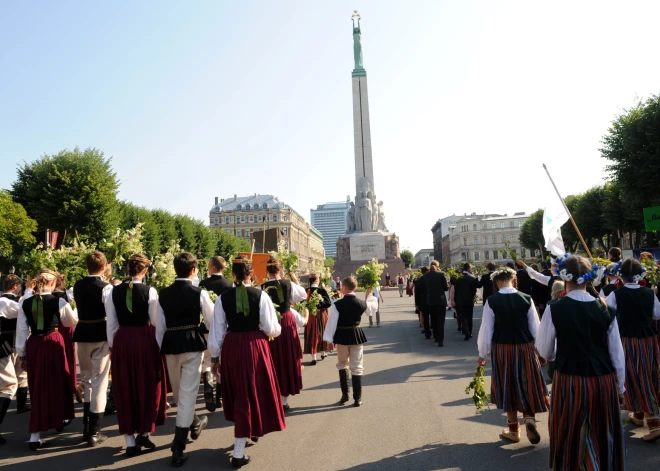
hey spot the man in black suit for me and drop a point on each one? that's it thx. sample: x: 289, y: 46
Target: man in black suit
x: 420, y: 303
x: 435, y: 283
x: 217, y: 283
x: 486, y: 283
x: 465, y: 289
x: 524, y: 280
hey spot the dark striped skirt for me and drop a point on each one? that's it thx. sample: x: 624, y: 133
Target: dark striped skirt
x: 642, y: 375
x: 314, y: 332
x: 517, y: 382
x: 287, y: 355
x: 586, y: 431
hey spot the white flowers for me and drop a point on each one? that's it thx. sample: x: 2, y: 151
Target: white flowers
x: 638, y: 278
x: 580, y: 280
x: 564, y: 275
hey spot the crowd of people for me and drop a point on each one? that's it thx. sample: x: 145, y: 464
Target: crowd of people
x: 147, y: 344
x: 597, y: 328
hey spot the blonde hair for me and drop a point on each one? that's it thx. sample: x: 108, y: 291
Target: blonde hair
x: 557, y: 289
x: 44, y: 278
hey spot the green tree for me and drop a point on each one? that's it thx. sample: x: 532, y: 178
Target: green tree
x: 185, y: 227
x: 227, y: 244
x: 531, y: 232
x: 131, y: 216
x: 74, y: 192
x: 167, y: 227
x: 329, y: 262
x: 407, y: 257
x: 588, y: 215
x: 571, y: 239
x: 16, y: 229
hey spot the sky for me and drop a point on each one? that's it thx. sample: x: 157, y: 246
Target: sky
x: 194, y: 100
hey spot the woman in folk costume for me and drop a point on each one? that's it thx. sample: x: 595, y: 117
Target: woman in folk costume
x: 67, y: 334
x: 316, y: 322
x: 508, y: 329
x: 43, y: 355
x: 138, y: 369
x: 243, y: 320
x: 285, y: 349
x: 636, y: 309
x: 582, y: 334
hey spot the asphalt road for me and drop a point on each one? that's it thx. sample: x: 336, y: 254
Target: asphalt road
x: 416, y: 416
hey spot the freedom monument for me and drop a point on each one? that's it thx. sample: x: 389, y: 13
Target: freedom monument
x: 367, y: 235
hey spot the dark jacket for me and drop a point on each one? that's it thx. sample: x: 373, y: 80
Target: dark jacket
x: 487, y: 284
x: 524, y: 282
x: 435, y: 284
x: 216, y: 283
x: 465, y: 288
x: 420, y: 292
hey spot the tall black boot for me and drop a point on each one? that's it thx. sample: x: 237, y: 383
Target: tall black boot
x: 110, y: 404
x: 86, y: 420
x: 4, y: 405
x: 197, y: 426
x: 357, y: 390
x: 208, y: 391
x: 343, y: 383
x: 21, y: 399
x: 95, y: 424
x: 218, y: 395
x: 178, y: 446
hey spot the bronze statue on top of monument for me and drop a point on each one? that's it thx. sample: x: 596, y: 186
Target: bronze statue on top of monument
x: 369, y: 216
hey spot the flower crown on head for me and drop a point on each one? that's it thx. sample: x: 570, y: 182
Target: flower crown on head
x: 631, y: 279
x: 565, y: 275
x: 502, y: 271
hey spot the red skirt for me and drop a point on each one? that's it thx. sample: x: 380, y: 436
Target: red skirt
x: 314, y: 333
x: 50, y: 385
x: 642, y: 375
x: 250, y: 392
x: 287, y: 356
x: 138, y: 380
x: 70, y: 347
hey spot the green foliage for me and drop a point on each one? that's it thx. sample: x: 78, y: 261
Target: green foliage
x: 369, y: 274
x: 407, y: 257
x: 227, y: 244
x: 163, y: 274
x: 16, y: 228
x: 288, y: 260
x: 531, y: 232
x: 478, y: 385
x: 168, y: 230
x: 73, y: 192
x: 589, y: 215
x: 121, y: 245
x: 185, y: 227
x: 329, y: 262
x: 131, y: 216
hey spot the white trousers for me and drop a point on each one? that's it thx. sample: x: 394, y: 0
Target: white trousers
x: 94, y: 359
x: 8, y: 381
x: 21, y: 374
x: 350, y: 356
x: 184, y: 370
x: 206, y: 363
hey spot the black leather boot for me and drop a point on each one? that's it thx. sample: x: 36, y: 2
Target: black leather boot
x: 208, y: 391
x: 357, y: 390
x: 197, y: 426
x: 86, y: 420
x: 240, y: 462
x: 21, y: 399
x: 4, y: 405
x: 218, y: 395
x: 95, y: 424
x: 178, y: 446
x: 110, y: 404
x: 343, y: 383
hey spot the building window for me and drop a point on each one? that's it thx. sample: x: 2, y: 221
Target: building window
x: 274, y: 217
x: 483, y: 227
x: 284, y: 218
x: 486, y: 253
x: 464, y: 256
x: 286, y: 231
x: 247, y: 207
x: 512, y: 237
x: 239, y: 207
x: 520, y: 223
x: 264, y: 206
x: 464, y: 240
x: 486, y: 240
x: 493, y: 225
x: 503, y: 238
x: 494, y: 239
x: 502, y: 225
x: 511, y: 224
x: 504, y: 255
x: 476, y: 256
x: 239, y: 232
x: 227, y: 219
x: 475, y: 240
x: 494, y: 254
x: 474, y: 227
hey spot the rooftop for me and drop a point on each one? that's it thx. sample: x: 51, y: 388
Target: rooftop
x: 248, y: 203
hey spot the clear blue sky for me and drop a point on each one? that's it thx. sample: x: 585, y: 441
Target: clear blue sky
x: 214, y: 98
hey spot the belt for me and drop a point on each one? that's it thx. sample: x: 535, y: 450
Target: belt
x: 93, y: 321
x: 348, y: 327
x: 182, y: 327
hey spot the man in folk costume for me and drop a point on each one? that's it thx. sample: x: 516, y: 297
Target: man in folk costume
x: 180, y: 340
x: 285, y: 349
x: 217, y: 283
x: 90, y: 335
x: 316, y: 322
x: 243, y: 321
x: 343, y: 329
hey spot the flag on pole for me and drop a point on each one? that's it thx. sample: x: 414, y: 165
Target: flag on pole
x: 554, y: 216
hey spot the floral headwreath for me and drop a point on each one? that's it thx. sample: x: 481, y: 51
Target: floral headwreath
x: 631, y: 279
x: 502, y: 271
x: 565, y: 275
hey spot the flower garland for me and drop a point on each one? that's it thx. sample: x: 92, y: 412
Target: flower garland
x: 502, y: 271
x: 565, y: 275
x: 631, y: 279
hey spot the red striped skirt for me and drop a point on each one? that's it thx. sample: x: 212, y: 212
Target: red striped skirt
x: 250, y: 392
x: 287, y: 356
x: 642, y: 374
x: 586, y: 431
x: 517, y: 382
x: 314, y: 333
x: 139, y: 381
x: 70, y: 347
x: 49, y: 382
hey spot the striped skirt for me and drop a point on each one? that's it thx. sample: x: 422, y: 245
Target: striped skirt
x: 586, y: 431
x: 314, y: 333
x: 642, y: 375
x: 517, y: 382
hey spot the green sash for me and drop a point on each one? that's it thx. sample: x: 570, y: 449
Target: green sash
x: 38, y: 311
x: 242, y: 304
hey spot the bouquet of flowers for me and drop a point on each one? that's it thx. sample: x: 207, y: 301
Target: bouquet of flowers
x: 301, y: 309
x: 288, y: 259
x: 454, y: 273
x: 478, y: 384
x: 368, y: 275
x: 163, y: 273
x: 652, y: 270
x: 313, y: 303
x: 325, y: 277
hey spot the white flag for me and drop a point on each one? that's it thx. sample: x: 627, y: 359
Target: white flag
x: 554, y: 216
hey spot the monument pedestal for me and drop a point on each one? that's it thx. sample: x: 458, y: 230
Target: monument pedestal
x: 354, y: 250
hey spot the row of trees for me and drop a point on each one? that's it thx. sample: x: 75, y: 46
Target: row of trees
x: 609, y: 212
x: 75, y: 193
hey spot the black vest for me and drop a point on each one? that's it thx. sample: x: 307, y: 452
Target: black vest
x: 324, y: 294
x: 582, y: 347
x: 88, y: 294
x: 551, y: 282
x: 238, y: 321
x: 140, y: 315
x: 270, y: 287
x: 216, y: 283
x: 51, y: 312
x: 511, y: 323
x: 607, y: 290
x: 634, y: 312
x: 7, y: 331
x: 348, y: 331
x: 181, y: 304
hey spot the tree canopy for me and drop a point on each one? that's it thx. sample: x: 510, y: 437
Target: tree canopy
x: 407, y: 257
x: 16, y: 228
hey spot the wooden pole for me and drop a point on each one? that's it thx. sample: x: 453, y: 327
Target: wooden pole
x: 570, y: 216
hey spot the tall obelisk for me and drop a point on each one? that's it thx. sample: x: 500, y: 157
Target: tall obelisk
x: 361, y: 127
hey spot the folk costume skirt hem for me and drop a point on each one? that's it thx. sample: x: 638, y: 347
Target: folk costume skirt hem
x: 50, y: 385
x: 517, y: 382
x: 287, y: 356
x: 586, y: 431
x: 250, y: 391
x: 642, y: 375
x: 314, y: 332
x: 70, y: 347
x: 139, y: 381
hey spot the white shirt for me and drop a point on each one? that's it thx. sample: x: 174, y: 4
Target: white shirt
x: 268, y: 323
x: 204, y: 302
x: 540, y: 277
x: 9, y: 308
x: 112, y: 323
x: 611, y: 300
x: 68, y: 318
x: 602, y: 293
x: 546, y: 341
x: 333, y: 317
x: 488, y: 324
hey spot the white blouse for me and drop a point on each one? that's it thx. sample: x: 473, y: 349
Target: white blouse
x: 112, y: 323
x: 333, y: 317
